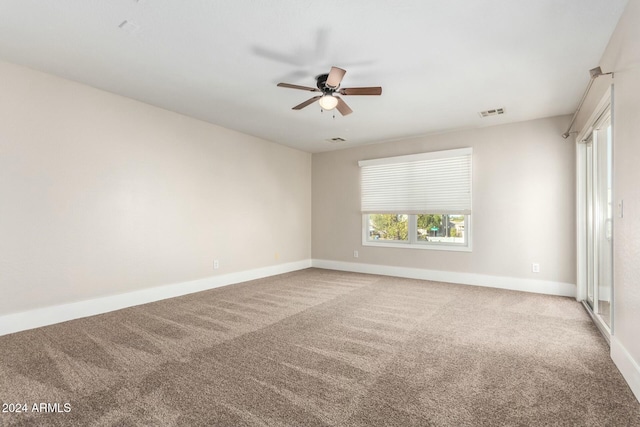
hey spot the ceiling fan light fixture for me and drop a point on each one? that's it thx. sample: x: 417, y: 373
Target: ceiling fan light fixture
x: 328, y: 102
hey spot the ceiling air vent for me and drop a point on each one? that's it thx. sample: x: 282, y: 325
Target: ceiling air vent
x: 494, y: 112
x: 336, y: 140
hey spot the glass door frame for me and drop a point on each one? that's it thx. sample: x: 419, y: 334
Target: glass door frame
x: 589, y: 216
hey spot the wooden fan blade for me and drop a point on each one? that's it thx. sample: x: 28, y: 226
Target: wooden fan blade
x: 343, y: 107
x: 361, y: 91
x: 335, y: 77
x: 307, y: 102
x: 289, y: 85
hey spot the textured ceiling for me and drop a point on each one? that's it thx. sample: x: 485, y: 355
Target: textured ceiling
x: 439, y: 62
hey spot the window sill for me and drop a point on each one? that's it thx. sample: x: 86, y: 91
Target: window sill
x: 433, y: 247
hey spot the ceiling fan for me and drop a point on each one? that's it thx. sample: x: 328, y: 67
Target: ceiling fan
x: 329, y: 86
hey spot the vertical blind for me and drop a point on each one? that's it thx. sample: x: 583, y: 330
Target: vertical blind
x: 438, y: 182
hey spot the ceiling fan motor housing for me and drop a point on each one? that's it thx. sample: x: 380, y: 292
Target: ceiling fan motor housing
x: 322, y: 84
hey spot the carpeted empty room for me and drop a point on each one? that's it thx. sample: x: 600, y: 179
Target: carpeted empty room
x: 332, y: 213
x: 323, y: 348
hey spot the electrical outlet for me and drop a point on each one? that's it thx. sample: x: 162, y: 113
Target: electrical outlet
x: 535, y: 267
x: 216, y: 264
x: 355, y: 254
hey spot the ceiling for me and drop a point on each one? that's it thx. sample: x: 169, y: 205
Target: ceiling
x: 439, y: 62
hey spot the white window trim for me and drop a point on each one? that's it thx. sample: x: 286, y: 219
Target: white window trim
x: 413, y: 243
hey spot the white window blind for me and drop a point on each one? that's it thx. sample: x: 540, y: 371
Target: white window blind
x: 436, y: 183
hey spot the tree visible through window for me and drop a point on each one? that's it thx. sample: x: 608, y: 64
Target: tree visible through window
x: 389, y: 227
x: 435, y: 228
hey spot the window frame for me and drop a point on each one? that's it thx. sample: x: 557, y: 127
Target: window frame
x: 410, y: 200
x: 413, y: 242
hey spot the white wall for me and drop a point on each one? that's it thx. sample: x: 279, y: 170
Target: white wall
x: 102, y: 195
x: 523, y: 204
x: 622, y: 56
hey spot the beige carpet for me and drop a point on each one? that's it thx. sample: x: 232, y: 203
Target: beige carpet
x: 318, y: 348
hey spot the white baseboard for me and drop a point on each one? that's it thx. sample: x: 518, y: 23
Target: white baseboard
x: 31, y: 319
x: 36, y: 318
x: 512, y: 283
x: 628, y: 367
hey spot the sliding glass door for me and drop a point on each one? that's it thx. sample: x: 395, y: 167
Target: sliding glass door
x: 598, y: 219
x: 605, y: 220
x: 589, y: 222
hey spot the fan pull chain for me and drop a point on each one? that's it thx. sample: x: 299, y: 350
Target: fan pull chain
x: 334, y: 113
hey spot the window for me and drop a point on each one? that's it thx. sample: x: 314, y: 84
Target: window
x: 418, y: 201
